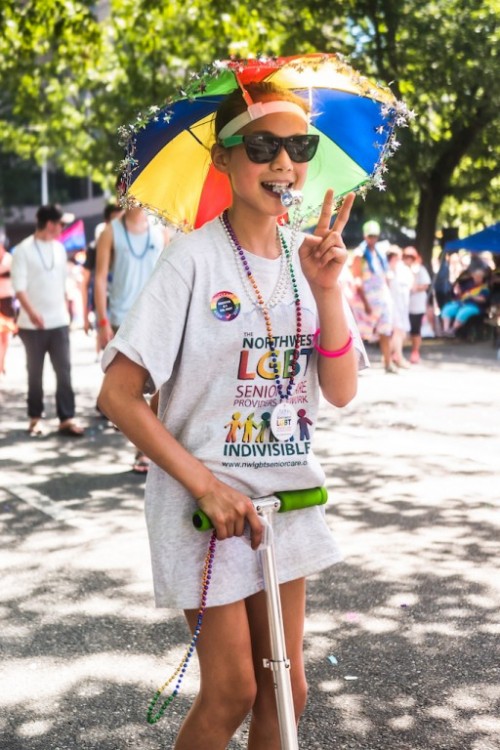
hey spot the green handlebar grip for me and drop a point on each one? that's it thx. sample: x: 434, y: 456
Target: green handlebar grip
x: 299, y: 499
x: 290, y: 500
x: 201, y: 521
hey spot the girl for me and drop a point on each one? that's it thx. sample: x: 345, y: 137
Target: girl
x: 419, y: 303
x: 400, y: 281
x: 225, y: 331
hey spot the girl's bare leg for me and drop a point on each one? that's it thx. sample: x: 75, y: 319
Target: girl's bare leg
x: 397, y: 341
x: 264, y: 728
x: 385, y: 348
x: 416, y: 342
x: 228, y: 687
x: 4, y: 343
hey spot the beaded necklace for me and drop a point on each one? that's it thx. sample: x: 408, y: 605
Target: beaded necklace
x: 264, y: 307
x: 279, y: 290
x: 183, y: 665
x: 42, y: 259
x: 139, y: 256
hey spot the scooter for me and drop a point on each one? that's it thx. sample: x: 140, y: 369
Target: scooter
x: 279, y: 663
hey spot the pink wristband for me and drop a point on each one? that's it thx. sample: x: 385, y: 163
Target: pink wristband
x: 338, y: 352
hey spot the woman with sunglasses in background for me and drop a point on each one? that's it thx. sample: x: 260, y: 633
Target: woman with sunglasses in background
x: 239, y: 333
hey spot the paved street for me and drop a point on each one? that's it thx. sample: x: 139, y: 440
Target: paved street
x: 402, y: 641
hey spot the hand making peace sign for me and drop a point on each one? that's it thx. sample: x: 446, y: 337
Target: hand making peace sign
x: 323, y: 254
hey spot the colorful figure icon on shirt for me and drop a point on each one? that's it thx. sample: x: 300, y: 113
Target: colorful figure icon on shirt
x: 234, y: 425
x: 249, y: 427
x: 303, y: 424
x: 264, y: 425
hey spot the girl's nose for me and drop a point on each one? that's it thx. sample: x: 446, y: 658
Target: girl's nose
x: 282, y: 160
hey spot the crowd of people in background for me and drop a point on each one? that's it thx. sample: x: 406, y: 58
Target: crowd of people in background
x: 389, y: 296
x: 396, y: 302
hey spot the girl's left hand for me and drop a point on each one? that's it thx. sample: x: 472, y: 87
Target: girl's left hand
x: 323, y: 254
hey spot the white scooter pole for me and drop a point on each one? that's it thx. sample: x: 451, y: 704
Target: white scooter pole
x: 279, y: 664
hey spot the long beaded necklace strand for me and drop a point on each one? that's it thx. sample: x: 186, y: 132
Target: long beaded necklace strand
x: 184, y: 663
x: 261, y: 304
x: 139, y: 256
x: 42, y: 260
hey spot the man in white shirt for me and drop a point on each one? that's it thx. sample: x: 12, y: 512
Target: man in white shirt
x: 39, y: 279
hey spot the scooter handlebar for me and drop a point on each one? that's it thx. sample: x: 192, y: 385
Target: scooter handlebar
x: 289, y: 500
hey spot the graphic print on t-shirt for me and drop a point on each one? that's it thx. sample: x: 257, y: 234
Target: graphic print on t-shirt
x: 247, y: 429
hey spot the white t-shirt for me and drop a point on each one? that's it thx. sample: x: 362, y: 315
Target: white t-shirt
x: 196, y: 331
x: 418, y: 300
x: 39, y: 269
x: 400, y: 280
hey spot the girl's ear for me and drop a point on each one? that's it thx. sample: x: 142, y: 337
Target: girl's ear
x: 220, y: 158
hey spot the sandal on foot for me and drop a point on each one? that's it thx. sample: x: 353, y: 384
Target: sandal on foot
x: 141, y: 464
x: 69, y: 428
x: 402, y: 363
x: 35, y: 428
x: 391, y: 368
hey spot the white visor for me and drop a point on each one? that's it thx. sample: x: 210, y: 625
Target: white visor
x: 260, y: 109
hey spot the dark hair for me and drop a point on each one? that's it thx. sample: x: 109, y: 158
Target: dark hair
x: 393, y: 251
x: 411, y: 252
x: 110, y: 209
x: 234, y: 104
x: 48, y: 213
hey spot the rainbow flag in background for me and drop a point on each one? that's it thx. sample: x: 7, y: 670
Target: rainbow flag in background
x: 481, y: 290
x: 73, y: 237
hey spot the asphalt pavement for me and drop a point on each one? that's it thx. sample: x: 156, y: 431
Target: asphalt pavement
x: 402, y: 638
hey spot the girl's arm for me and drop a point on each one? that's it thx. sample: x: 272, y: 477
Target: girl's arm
x: 357, y: 272
x: 322, y: 257
x: 104, y: 259
x: 121, y: 400
x: 85, y: 298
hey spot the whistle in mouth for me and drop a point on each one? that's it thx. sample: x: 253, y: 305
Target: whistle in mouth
x: 291, y: 198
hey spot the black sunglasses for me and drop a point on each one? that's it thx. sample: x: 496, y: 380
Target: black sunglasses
x: 262, y: 148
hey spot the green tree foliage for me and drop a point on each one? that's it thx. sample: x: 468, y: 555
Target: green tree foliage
x: 47, y: 75
x: 442, y: 57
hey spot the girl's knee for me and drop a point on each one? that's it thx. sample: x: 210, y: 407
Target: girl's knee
x: 241, y: 698
x: 233, y: 699
x: 216, y: 714
x: 265, y: 703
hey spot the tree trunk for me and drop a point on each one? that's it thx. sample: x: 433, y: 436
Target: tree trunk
x: 436, y: 185
x: 431, y: 198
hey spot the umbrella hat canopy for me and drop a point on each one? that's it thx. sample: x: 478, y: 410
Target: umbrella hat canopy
x: 167, y: 167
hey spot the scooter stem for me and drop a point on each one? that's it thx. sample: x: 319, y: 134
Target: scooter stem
x: 279, y: 664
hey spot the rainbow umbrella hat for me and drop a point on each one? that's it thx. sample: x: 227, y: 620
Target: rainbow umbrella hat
x: 167, y: 168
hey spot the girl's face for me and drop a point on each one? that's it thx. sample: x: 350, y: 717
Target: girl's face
x: 258, y: 185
